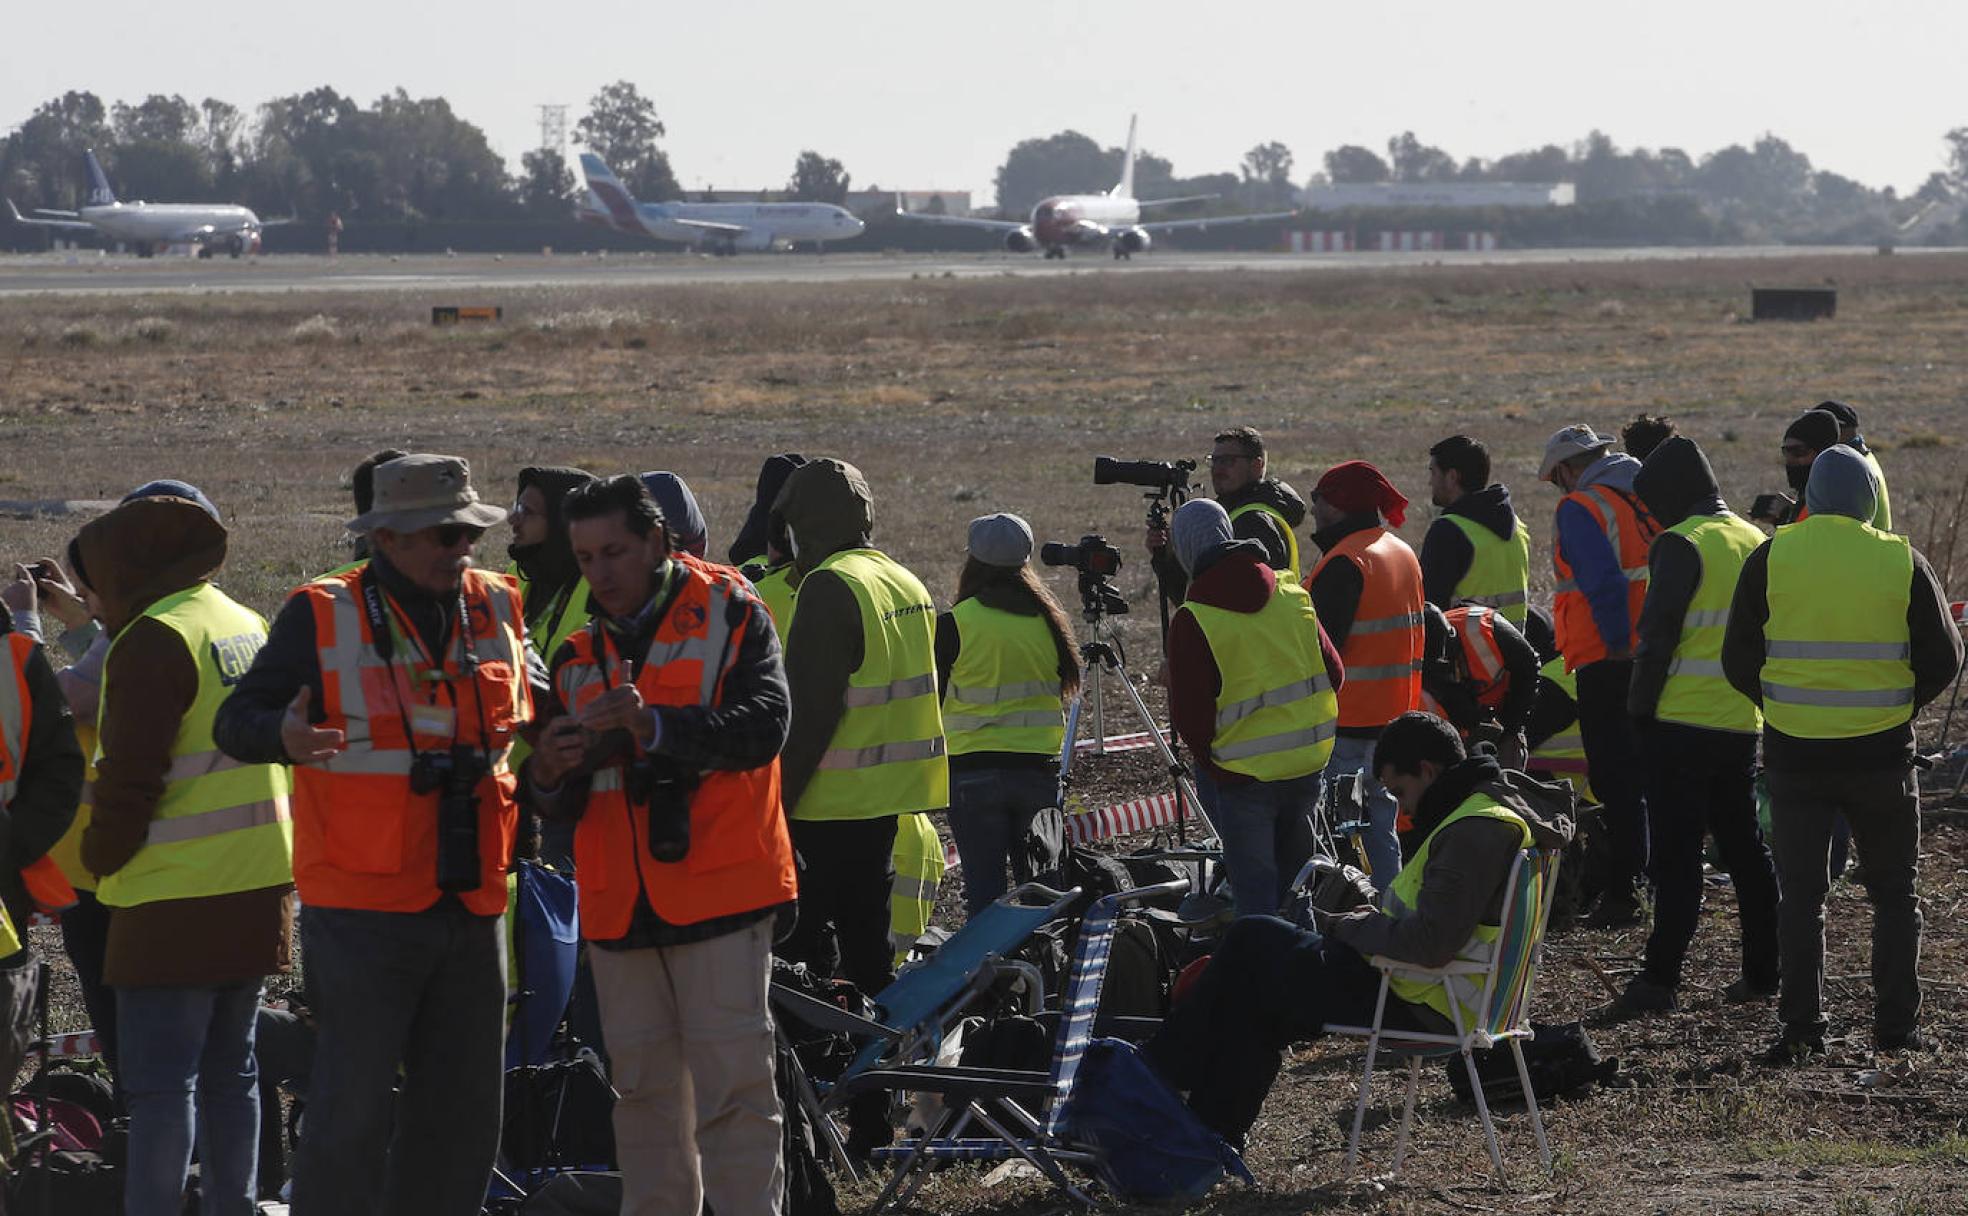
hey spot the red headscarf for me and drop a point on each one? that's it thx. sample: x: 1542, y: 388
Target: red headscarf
x: 1356, y: 487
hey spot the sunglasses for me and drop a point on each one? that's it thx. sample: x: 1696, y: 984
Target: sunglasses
x: 448, y: 535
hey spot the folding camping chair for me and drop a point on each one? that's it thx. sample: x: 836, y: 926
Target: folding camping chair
x: 1506, y: 981
x: 969, y: 1093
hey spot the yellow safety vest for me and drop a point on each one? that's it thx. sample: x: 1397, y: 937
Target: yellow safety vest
x: 886, y: 755
x: 1696, y: 692
x: 566, y: 615
x: 1499, y: 574
x: 1564, y: 753
x: 1004, y: 686
x: 1838, y: 656
x: 775, y: 588
x: 1284, y: 525
x: 221, y: 826
x: 919, y: 867
x: 1276, y: 713
x: 1403, y: 895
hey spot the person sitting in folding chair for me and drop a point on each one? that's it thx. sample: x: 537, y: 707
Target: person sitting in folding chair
x: 1271, y: 984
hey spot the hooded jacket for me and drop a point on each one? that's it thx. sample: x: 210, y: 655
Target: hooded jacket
x: 749, y: 544
x: 1463, y: 883
x: 1595, y: 567
x: 1256, y: 526
x: 48, y: 786
x: 548, y: 567
x: 1445, y: 548
x: 824, y: 506
x: 1676, y: 482
x: 133, y: 557
x: 1842, y: 484
x: 1236, y: 578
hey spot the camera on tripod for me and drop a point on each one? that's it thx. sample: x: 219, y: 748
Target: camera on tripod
x: 1092, y: 555
x: 453, y: 776
x: 1164, y: 475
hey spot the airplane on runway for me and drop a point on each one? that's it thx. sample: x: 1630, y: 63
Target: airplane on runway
x: 149, y: 227
x: 1091, y: 220
x: 723, y: 228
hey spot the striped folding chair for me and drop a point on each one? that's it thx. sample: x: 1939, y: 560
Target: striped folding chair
x: 972, y: 1095
x: 1505, y: 983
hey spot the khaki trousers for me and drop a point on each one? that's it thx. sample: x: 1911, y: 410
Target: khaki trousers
x: 691, y: 1044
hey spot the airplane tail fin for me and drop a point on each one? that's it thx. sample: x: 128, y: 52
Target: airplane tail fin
x: 614, y: 196
x: 1126, y: 187
x: 100, y: 195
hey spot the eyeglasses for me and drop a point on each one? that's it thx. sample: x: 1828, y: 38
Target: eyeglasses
x: 448, y: 535
x: 519, y: 509
x: 1219, y: 459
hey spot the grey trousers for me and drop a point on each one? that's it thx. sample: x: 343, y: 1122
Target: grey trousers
x: 426, y: 991
x: 1883, y: 807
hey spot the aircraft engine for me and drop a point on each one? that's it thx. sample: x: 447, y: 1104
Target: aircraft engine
x: 1132, y: 240
x: 1021, y: 240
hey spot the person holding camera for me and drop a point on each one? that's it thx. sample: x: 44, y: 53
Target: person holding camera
x: 1480, y: 675
x: 193, y: 855
x: 396, y: 690
x: 1261, y: 508
x: 1253, y: 691
x: 1007, y: 665
x: 661, y: 742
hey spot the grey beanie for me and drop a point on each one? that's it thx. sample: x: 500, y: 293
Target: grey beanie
x: 1841, y: 484
x: 1000, y: 540
x: 1199, y: 525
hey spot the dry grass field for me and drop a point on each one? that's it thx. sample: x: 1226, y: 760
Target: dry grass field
x: 962, y: 398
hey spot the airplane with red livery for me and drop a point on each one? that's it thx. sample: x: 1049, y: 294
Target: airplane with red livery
x: 1091, y: 221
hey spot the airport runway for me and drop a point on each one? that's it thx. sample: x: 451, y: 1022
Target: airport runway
x: 91, y: 273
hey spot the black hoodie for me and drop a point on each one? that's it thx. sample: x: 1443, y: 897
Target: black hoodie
x: 1259, y: 526
x: 549, y: 567
x: 1445, y: 549
x: 1674, y: 483
x: 749, y: 545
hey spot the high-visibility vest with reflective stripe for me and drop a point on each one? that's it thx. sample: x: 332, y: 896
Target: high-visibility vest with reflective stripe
x: 1403, y: 899
x: 1629, y: 530
x: 1004, y: 686
x: 362, y: 837
x: 775, y: 588
x: 1482, y: 658
x: 1696, y: 692
x: 1882, y: 515
x: 1291, y: 539
x: 549, y: 625
x: 47, y: 883
x: 1837, y: 651
x: 1499, y: 574
x: 1563, y: 753
x: 919, y: 866
x: 220, y: 826
x: 1276, y: 713
x: 1383, y: 649
x: 886, y: 755
x: 741, y: 856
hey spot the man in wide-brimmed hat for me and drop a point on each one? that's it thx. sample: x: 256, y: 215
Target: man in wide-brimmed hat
x: 395, y: 690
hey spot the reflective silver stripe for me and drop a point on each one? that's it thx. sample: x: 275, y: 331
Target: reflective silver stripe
x: 1393, y: 671
x: 1237, y: 711
x: 717, y: 631
x: 1502, y: 599
x: 1485, y: 649
x: 901, y: 752
x: 1004, y: 692
x: 1385, y: 624
x: 919, y: 890
x: 1634, y: 574
x: 1560, y: 743
x: 899, y: 690
x: 1695, y: 667
x: 1841, y: 698
x: 364, y: 762
x: 1707, y: 618
x: 219, y: 822
x: 1838, y: 650
x: 1036, y: 718
x: 1245, y: 749
x: 607, y: 781
x: 200, y: 764
x: 1566, y: 585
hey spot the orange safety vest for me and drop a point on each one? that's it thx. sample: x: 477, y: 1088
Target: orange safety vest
x: 46, y: 885
x: 363, y: 838
x: 1629, y: 530
x: 1383, y: 649
x: 741, y: 855
x: 1482, y: 658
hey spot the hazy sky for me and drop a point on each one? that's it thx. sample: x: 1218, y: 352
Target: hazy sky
x: 932, y: 94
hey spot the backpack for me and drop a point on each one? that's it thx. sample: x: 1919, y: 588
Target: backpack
x: 808, y: 1191
x: 74, y: 1184
x: 71, y: 1126
x: 1151, y: 1146
x: 559, y: 1114
x: 1561, y: 1058
x: 1095, y: 874
x: 1137, y: 981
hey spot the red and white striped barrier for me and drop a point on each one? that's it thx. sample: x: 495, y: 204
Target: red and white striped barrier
x: 1138, y: 741
x: 1121, y: 819
x: 1332, y: 241
x: 1409, y: 241
x: 74, y: 1043
x: 42, y: 920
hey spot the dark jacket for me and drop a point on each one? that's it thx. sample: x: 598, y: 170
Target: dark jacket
x: 749, y: 544
x: 1257, y: 526
x: 1235, y: 578
x: 48, y: 787
x: 949, y: 647
x: 743, y: 730
x: 1445, y: 674
x: 549, y: 566
x: 1445, y: 548
x: 1936, y: 657
x: 135, y: 556
x: 1462, y: 885
x: 1675, y: 483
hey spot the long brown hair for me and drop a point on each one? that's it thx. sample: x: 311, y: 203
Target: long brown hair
x: 1021, y: 585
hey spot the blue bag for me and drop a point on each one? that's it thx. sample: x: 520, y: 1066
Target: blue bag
x: 1152, y: 1147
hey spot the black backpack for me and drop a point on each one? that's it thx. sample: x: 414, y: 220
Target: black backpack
x: 1561, y: 1058
x: 72, y: 1184
x: 559, y: 1114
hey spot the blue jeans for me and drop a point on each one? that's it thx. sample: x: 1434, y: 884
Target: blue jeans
x: 991, y: 810
x: 187, y: 1062
x: 1352, y: 754
x: 1266, y: 831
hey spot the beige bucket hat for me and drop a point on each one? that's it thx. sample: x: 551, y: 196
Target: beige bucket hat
x: 424, y: 490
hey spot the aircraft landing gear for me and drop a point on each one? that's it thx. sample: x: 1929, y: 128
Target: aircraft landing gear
x: 235, y: 246
x: 1122, y: 255
x: 1055, y: 251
